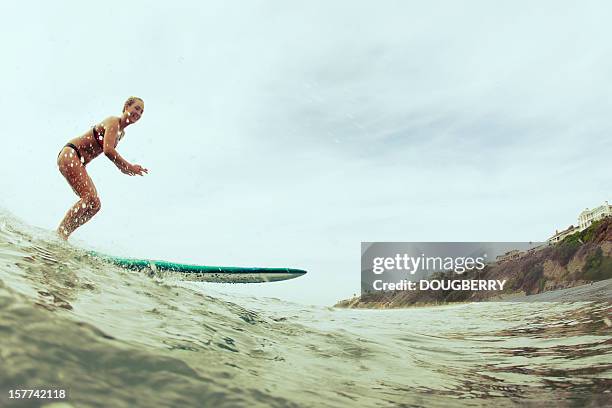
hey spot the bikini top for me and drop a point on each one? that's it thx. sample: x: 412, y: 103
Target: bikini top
x: 99, y: 135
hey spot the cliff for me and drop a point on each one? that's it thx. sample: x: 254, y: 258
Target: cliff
x: 579, y: 259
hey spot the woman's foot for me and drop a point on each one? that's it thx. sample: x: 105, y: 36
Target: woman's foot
x: 61, y: 231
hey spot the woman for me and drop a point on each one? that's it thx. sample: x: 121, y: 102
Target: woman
x: 75, y: 155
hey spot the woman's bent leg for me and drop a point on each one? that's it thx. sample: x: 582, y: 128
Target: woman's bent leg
x: 88, y: 205
x: 81, y: 212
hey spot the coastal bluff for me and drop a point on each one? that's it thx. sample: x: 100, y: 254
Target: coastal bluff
x: 582, y: 258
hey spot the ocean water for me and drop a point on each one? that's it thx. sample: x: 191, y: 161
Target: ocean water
x: 116, y: 338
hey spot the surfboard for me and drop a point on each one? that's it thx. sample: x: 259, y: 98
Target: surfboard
x: 202, y: 273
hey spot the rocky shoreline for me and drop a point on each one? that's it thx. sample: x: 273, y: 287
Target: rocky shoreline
x: 579, y: 259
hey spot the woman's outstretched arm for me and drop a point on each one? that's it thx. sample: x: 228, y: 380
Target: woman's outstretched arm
x: 110, y: 139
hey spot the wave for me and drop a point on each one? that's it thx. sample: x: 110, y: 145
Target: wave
x: 113, y: 337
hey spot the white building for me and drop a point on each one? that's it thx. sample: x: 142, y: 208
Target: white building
x: 587, y: 217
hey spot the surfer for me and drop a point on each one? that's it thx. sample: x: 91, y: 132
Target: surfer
x: 78, y: 152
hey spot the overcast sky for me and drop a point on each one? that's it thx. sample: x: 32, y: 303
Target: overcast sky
x: 284, y: 133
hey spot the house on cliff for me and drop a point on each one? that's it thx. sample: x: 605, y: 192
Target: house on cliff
x: 585, y: 219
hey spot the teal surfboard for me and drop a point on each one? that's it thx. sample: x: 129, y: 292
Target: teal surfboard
x: 201, y: 273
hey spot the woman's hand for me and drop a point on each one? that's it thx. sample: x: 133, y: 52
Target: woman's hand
x: 135, y: 169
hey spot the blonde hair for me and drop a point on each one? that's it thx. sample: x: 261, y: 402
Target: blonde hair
x: 130, y: 101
